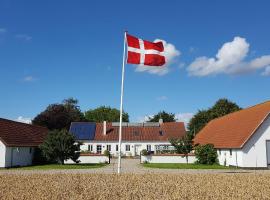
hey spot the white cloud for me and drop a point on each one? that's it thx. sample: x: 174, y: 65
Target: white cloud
x: 29, y: 79
x: 23, y: 37
x: 24, y: 120
x: 192, y: 49
x: 267, y: 71
x: 184, y: 117
x: 180, y: 117
x: 145, y: 118
x: 181, y: 65
x: 170, y: 53
x: 230, y: 59
x: 3, y: 30
x: 162, y: 98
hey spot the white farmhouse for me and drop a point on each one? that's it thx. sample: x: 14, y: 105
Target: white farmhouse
x: 18, y: 142
x: 242, y: 138
x: 98, y: 137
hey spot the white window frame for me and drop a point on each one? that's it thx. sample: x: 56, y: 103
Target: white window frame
x: 109, y: 147
x: 99, y: 145
x: 90, y: 147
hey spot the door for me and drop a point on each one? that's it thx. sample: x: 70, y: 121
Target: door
x: 268, y: 151
x: 137, y: 150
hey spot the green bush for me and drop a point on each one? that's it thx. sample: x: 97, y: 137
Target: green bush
x: 106, y: 153
x: 144, y: 152
x: 60, y: 146
x: 206, y: 154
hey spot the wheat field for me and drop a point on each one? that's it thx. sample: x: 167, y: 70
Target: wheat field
x: 135, y: 186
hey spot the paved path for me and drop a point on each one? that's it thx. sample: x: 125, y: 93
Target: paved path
x: 132, y: 166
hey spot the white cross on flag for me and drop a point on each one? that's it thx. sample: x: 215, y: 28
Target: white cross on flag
x: 145, y: 52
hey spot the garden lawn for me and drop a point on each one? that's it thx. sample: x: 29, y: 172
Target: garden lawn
x: 183, y: 166
x: 58, y: 166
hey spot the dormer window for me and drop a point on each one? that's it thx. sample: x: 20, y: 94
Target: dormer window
x: 161, y: 133
x: 136, y: 133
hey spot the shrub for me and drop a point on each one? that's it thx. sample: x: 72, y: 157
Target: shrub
x: 206, y: 154
x: 60, y: 146
x: 106, y: 153
x: 144, y: 152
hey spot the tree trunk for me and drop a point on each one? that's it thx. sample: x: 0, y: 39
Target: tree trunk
x: 187, y: 158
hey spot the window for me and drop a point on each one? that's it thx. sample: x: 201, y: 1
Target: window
x: 230, y: 152
x: 127, y: 147
x: 99, y: 149
x: 116, y: 147
x: 90, y: 147
x: 30, y: 150
x: 219, y: 151
x: 160, y: 132
x: 109, y: 147
x: 148, y: 147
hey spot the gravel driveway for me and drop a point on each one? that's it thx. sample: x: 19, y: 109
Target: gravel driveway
x: 132, y: 166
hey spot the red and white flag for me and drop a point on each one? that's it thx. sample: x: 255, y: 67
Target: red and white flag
x: 145, y: 52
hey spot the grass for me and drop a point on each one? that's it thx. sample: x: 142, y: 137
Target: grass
x: 58, y: 166
x: 134, y: 186
x: 183, y: 166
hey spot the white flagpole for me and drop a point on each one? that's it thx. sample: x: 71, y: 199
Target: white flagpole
x: 121, y: 107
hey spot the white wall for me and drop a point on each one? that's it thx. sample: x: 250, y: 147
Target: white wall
x: 90, y: 159
x: 254, y: 152
x: 19, y: 156
x: 2, y: 154
x: 234, y: 159
x: 167, y: 159
x: 141, y: 146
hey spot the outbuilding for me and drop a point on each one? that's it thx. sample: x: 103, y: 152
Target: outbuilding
x: 18, y: 142
x: 241, y: 138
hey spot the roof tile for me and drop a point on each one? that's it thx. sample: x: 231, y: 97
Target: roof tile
x: 233, y: 130
x: 20, y: 134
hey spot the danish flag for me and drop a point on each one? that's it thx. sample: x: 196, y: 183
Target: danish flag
x: 145, y: 52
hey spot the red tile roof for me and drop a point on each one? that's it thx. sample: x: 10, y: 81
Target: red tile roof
x: 145, y: 133
x: 235, y: 129
x: 19, y: 134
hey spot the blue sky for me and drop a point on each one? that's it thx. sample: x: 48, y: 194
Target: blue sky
x: 51, y: 50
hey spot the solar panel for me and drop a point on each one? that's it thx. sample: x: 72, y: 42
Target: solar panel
x: 83, y: 131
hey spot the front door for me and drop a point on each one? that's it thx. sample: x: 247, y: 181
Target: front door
x: 137, y: 150
x: 268, y: 151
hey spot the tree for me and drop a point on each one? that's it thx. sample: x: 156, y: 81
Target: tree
x: 182, y: 145
x: 104, y: 113
x: 206, y: 154
x: 166, y: 117
x: 59, y: 116
x: 60, y: 146
x: 220, y: 108
x: 223, y: 107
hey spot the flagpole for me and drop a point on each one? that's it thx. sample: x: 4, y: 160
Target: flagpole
x: 121, y: 107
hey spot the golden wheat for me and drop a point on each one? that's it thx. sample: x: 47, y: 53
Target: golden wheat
x: 135, y: 186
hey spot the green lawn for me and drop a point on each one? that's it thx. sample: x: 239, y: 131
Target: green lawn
x: 57, y: 166
x: 183, y: 166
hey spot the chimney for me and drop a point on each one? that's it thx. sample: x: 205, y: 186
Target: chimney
x: 160, y: 121
x: 104, y: 128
